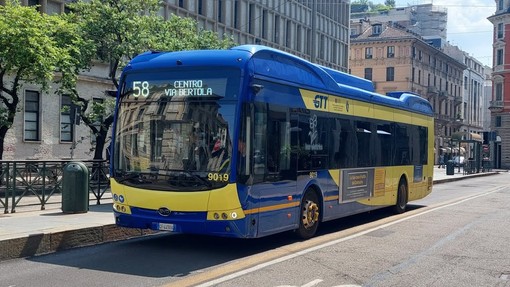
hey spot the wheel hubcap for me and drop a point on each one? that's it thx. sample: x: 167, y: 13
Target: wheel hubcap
x: 310, y: 214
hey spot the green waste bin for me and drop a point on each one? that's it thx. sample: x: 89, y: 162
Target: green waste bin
x: 450, y: 167
x: 75, y: 188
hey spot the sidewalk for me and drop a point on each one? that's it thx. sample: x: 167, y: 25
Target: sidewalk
x: 28, y: 233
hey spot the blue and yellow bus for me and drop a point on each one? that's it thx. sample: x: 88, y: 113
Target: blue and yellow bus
x: 252, y: 141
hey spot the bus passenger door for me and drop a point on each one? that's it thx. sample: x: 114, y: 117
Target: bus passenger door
x: 274, y: 168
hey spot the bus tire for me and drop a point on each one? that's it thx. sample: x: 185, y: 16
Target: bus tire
x: 309, y: 215
x: 401, y: 204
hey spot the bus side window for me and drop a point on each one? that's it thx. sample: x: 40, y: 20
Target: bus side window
x: 364, y: 135
x: 401, y: 145
x: 278, y: 159
x: 259, y: 141
x: 273, y: 147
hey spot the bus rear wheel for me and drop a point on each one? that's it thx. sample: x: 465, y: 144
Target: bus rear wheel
x: 401, y: 205
x: 310, y: 214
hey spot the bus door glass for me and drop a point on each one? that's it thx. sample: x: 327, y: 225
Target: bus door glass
x: 274, y: 161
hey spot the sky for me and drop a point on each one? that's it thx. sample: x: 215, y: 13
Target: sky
x: 468, y: 27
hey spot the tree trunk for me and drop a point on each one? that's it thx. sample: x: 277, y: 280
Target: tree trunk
x: 100, y: 142
x: 3, y: 132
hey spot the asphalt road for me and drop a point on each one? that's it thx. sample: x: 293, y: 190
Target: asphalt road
x: 458, y: 236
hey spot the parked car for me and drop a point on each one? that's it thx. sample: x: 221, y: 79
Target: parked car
x: 459, y: 160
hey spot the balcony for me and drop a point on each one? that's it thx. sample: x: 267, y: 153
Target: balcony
x: 496, y: 106
x: 432, y: 90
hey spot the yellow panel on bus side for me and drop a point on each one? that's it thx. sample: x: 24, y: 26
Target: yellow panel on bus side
x: 403, y: 117
x: 363, y: 109
x: 384, y: 113
x: 421, y: 120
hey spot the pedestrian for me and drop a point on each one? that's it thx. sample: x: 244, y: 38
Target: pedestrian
x: 441, y: 160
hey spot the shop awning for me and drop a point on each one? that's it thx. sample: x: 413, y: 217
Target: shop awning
x: 466, y: 137
x: 476, y: 137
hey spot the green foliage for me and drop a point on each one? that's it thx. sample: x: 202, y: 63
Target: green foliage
x: 114, y: 31
x: 390, y: 3
x: 27, y: 47
x: 30, y: 52
x: 362, y: 6
x: 121, y: 29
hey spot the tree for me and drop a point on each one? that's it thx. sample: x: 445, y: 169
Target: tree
x: 119, y: 30
x: 28, y: 54
x: 390, y: 3
x: 362, y: 6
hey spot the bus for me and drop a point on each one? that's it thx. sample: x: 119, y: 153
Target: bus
x: 252, y: 141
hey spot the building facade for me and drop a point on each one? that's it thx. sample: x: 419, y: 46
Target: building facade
x: 500, y: 104
x: 317, y: 30
x: 426, y: 20
x: 398, y: 59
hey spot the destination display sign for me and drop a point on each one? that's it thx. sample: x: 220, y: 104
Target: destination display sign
x: 182, y: 88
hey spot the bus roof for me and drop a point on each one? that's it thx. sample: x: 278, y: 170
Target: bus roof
x: 271, y: 63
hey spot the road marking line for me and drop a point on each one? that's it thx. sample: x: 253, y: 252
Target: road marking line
x: 297, y: 249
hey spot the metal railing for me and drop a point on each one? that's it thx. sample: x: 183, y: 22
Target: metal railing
x: 42, y: 180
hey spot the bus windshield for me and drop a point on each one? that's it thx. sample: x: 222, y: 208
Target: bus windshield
x: 174, y: 129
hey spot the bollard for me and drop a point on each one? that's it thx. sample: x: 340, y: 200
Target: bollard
x: 450, y: 167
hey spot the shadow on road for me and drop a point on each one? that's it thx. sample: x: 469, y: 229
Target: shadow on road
x: 178, y: 255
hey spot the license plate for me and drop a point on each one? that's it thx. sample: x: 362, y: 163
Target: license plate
x: 166, y: 226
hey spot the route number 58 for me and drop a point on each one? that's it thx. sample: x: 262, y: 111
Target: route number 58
x: 140, y: 88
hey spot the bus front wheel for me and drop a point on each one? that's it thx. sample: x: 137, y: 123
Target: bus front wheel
x: 401, y: 205
x: 310, y: 211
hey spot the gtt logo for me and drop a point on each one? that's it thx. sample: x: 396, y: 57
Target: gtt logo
x: 320, y: 102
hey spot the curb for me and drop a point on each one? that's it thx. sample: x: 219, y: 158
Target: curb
x: 38, y: 244
x: 445, y: 180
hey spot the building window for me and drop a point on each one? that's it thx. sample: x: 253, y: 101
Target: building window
x: 265, y: 24
x: 220, y: 11
x: 500, y: 5
x: 35, y: 3
x: 368, y: 74
x: 276, y: 29
x: 376, y: 29
x: 236, y: 15
x: 368, y: 53
x: 251, y: 18
x: 498, y: 121
x: 32, y: 116
x: 500, y: 31
x: 499, y: 57
x: 54, y: 7
x: 390, y: 52
x: 181, y: 3
x: 288, y: 35
x: 201, y: 10
x: 66, y: 125
x: 499, y: 91
x: 390, y: 74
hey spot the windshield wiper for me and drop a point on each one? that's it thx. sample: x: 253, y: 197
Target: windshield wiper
x: 192, y: 175
x: 133, y: 176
